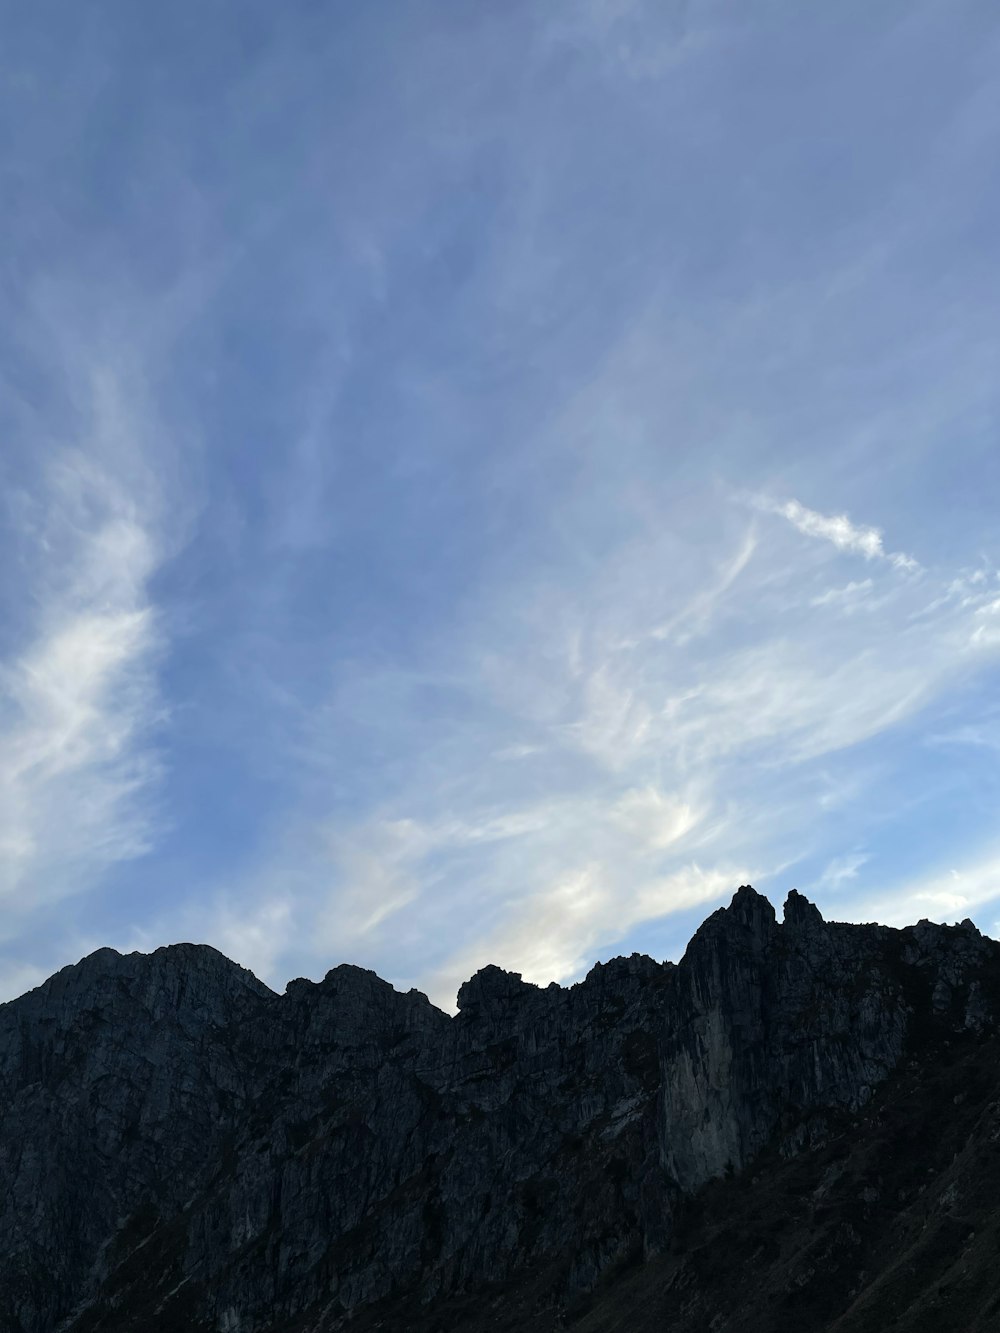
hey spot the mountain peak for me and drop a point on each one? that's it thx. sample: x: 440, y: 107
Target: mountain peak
x: 491, y: 987
x: 750, y: 918
x: 800, y: 913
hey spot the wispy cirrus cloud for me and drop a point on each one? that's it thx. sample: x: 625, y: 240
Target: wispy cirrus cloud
x: 841, y: 871
x: 841, y: 532
x: 726, y: 746
x: 554, y: 934
x: 79, y: 702
x: 626, y: 777
x: 949, y: 893
x: 851, y: 596
x: 79, y: 699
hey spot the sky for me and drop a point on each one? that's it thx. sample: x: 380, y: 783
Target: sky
x: 478, y: 483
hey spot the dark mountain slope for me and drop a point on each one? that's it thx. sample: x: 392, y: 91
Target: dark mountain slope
x: 739, y: 1141
x: 890, y: 1221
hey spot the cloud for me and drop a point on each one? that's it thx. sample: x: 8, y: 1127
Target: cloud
x: 987, y: 632
x: 387, y: 887
x: 838, y: 529
x: 693, y: 618
x: 849, y: 596
x: 79, y: 701
x: 254, y: 934
x: 371, y: 877
x: 840, y: 871
x: 554, y: 934
x: 653, y: 772
x: 653, y: 819
x: 943, y: 895
x: 983, y: 733
x: 615, y: 722
x: 517, y: 751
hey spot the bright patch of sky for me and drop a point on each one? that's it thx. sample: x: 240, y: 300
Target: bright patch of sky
x: 480, y: 482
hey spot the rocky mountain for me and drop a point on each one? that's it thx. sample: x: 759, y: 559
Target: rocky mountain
x: 796, y: 1127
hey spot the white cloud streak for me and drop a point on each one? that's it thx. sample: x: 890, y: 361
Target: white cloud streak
x: 943, y: 895
x: 78, y: 696
x: 841, y: 532
x: 850, y: 596
x: 553, y: 935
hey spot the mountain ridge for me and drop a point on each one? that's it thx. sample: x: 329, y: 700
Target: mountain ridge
x: 184, y: 1148
x: 799, y: 912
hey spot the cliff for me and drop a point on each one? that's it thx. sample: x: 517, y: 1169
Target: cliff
x: 182, y: 1149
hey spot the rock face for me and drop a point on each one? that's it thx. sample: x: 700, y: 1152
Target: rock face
x: 182, y: 1149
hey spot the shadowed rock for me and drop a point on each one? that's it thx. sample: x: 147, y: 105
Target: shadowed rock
x: 180, y: 1148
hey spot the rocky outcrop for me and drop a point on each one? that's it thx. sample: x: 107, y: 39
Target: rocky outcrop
x: 180, y: 1148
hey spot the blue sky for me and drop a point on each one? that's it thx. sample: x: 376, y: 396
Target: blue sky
x: 480, y: 482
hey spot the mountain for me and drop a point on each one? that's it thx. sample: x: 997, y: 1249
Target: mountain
x: 797, y: 1127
